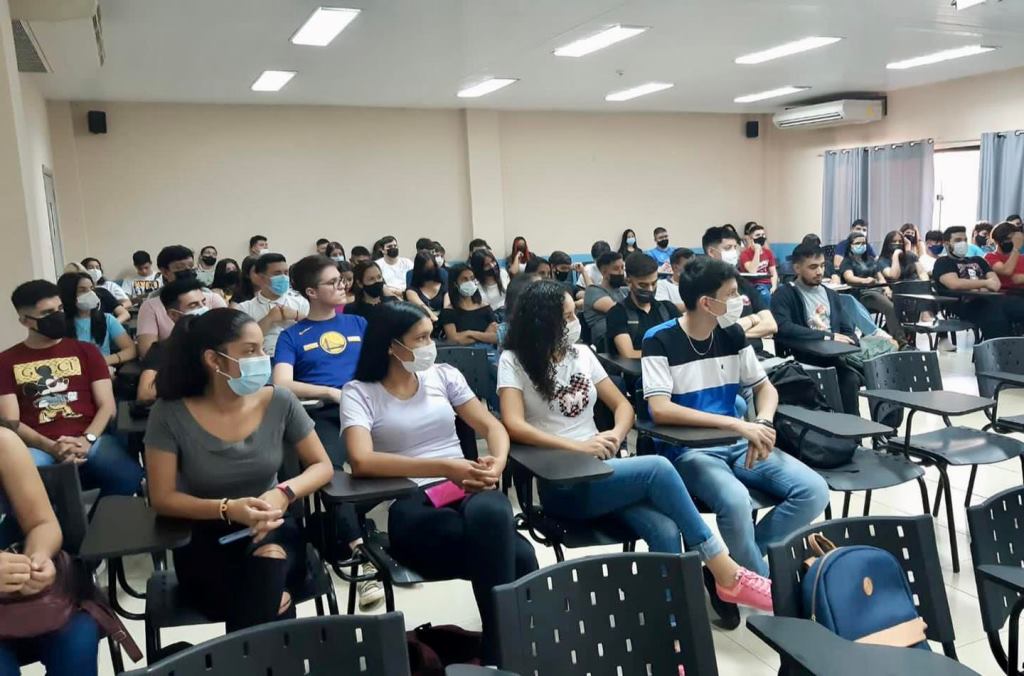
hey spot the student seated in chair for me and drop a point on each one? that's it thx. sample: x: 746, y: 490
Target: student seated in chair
x: 693, y: 368
x: 215, y: 442
x: 180, y: 298
x: 399, y: 421
x: 548, y: 387
x: 668, y: 289
x: 600, y: 298
x: 276, y: 305
x: 639, y: 311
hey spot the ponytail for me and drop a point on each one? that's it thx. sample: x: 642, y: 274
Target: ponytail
x: 182, y: 373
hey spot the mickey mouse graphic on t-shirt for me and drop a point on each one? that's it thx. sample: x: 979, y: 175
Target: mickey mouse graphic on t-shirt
x: 51, y: 396
x: 574, y: 398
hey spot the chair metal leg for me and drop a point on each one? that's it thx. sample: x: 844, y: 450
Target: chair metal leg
x: 559, y: 552
x: 828, y: 511
x: 950, y: 520
x: 867, y: 502
x: 152, y: 642
x: 846, y: 504
x: 354, y: 573
x: 123, y: 579
x: 389, y: 595
x: 116, y: 658
x: 925, y: 502
x: 970, y: 485
x: 319, y: 603
x: 1011, y: 662
x: 938, y: 497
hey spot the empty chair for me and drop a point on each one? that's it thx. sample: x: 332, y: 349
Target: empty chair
x: 911, y: 299
x: 998, y: 366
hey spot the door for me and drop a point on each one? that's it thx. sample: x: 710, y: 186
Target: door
x: 54, y: 220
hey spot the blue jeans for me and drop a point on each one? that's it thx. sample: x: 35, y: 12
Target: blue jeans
x: 719, y: 478
x: 647, y: 494
x: 69, y: 651
x: 109, y: 467
x: 858, y: 314
x: 766, y: 292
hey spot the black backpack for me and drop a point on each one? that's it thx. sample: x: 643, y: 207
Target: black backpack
x: 797, y: 388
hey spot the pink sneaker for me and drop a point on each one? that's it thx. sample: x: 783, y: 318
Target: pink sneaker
x: 751, y: 590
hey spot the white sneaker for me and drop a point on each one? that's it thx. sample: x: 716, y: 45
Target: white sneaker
x: 371, y: 592
x: 946, y: 345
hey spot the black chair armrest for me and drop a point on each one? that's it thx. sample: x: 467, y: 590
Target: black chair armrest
x: 937, y: 402
x: 123, y: 525
x: 1005, y: 378
x: 690, y: 437
x: 1009, y: 577
x: 837, y: 425
x: 623, y: 365
x: 557, y: 465
x: 345, y: 488
x: 473, y: 670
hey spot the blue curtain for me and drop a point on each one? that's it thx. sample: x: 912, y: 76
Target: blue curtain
x: 901, y: 187
x: 1001, y: 190
x: 845, y: 192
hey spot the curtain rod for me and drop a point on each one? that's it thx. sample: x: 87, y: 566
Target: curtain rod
x: 1003, y: 134
x: 865, y: 149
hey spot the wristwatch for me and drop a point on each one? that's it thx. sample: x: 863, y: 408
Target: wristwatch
x: 91, y: 438
x: 287, y: 490
x: 765, y: 422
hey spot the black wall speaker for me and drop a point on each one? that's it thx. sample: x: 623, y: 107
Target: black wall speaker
x: 97, y: 122
x: 752, y: 128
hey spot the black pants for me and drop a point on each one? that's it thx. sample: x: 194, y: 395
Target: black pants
x: 228, y: 584
x: 994, y: 315
x: 327, y: 423
x: 474, y: 539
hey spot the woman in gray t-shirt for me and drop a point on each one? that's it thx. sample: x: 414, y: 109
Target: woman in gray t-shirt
x: 216, y: 440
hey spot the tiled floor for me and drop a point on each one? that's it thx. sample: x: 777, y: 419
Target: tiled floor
x: 739, y: 652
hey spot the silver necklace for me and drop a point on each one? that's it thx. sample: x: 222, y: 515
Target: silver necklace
x: 694, y: 347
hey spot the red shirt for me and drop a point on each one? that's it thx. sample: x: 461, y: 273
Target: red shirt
x: 54, y: 385
x: 767, y: 261
x: 1000, y: 257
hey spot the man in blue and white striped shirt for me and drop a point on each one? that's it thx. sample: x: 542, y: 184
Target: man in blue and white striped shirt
x: 693, y: 369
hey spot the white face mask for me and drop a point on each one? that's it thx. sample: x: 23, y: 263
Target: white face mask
x: 96, y: 274
x: 730, y: 256
x: 198, y: 311
x: 422, y: 357
x: 960, y: 249
x: 573, y: 331
x: 439, y: 261
x: 88, y: 301
x: 468, y: 289
x: 733, y: 310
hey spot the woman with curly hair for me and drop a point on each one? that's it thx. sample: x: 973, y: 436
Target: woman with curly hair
x: 548, y: 387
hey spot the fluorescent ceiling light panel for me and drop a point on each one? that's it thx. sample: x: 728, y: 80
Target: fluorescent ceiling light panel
x: 938, y: 57
x: 795, y: 47
x: 486, y: 87
x: 964, y: 4
x: 323, y: 26
x: 640, y: 90
x: 605, y: 38
x: 770, y: 94
x: 272, y: 80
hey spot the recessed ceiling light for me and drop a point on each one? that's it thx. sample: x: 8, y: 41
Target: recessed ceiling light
x: 770, y: 94
x: 795, y: 47
x: 605, y: 38
x: 640, y: 90
x: 964, y: 4
x: 937, y: 57
x: 324, y: 25
x: 489, y: 85
x: 272, y: 80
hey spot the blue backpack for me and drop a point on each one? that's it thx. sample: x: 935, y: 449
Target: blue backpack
x: 861, y: 593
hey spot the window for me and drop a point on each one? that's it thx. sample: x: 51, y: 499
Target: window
x: 956, y: 187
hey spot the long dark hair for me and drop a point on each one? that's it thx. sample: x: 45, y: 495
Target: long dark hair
x: 67, y: 284
x: 849, y: 246
x: 357, y: 277
x: 245, y: 290
x: 536, y: 333
x: 454, y: 295
x: 182, y: 373
x: 389, y: 322
x: 623, y: 247
x: 909, y: 261
x: 419, y: 272
x: 481, y: 262
x: 224, y: 280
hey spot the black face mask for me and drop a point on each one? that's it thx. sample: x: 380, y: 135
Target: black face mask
x: 562, y: 276
x: 392, y: 252
x: 374, y: 290
x: 185, y: 274
x: 1006, y: 247
x: 617, y: 281
x: 911, y: 237
x: 209, y: 260
x: 760, y: 240
x: 53, y: 326
x: 643, y: 297
x: 230, y: 279
x: 663, y: 243
x: 981, y: 240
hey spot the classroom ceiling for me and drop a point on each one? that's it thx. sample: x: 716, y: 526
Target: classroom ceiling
x: 419, y: 53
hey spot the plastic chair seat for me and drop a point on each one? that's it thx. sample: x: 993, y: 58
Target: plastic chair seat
x: 1014, y: 423
x: 941, y: 326
x: 377, y: 544
x: 574, y: 533
x: 870, y: 470
x: 959, y: 445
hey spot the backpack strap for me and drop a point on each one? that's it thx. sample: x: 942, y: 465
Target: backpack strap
x: 820, y: 546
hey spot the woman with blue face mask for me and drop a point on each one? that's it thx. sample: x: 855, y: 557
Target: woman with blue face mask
x: 216, y: 439
x: 861, y: 269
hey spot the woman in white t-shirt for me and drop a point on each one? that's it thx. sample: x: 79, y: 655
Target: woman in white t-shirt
x: 548, y: 388
x: 493, y: 279
x: 398, y: 417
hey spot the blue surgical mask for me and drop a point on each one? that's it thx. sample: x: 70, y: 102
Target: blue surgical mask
x: 279, y: 284
x: 255, y: 373
x: 935, y: 249
x: 858, y: 249
x: 631, y: 241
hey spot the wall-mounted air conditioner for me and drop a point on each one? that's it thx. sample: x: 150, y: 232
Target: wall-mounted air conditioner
x: 831, y: 113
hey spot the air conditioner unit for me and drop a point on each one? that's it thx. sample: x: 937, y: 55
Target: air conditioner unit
x: 830, y: 114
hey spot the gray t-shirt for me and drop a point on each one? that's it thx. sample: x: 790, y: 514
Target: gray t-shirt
x: 209, y: 467
x: 594, y: 319
x: 816, y: 306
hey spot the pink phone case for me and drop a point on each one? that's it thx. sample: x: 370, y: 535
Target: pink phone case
x: 445, y: 494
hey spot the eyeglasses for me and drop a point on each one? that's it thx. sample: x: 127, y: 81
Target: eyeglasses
x: 336, y: 282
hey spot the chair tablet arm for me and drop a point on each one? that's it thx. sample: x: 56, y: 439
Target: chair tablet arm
x: 558, y: 465
x: 689, y: 437
x: 473, y: 670
x: 1004, y: 377
x: 124, y: 525
x: 1009, y: 577
x: 346, y: 488
x: 837, y: 425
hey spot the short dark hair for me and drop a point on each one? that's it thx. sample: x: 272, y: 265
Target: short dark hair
x: 322, y: 240
x: 751, y: 225
x: 27, y: 294
x: 812, y: 239
x: 659, y: 230
x: 256, y: 238
x: 424, y: 243
x: 387, y: 323
x: 1012, y: 217
x: 388, y: 238
x: 141, y: 257
x: 859, y: 221
x: 559, y: 258
x: 359, y: 251
x: 982, y: 225
x: 170, y: 293
x: 933, y: 236
x: 679, y: 255
x: 207, y: 246
x: 183, y: 374
x: 89, y: 259
x: 703, y: 276
x: 948, y: 233
x: 172, y: 254
x: 1003, y: 232
x: 264, y: 261
x: 305, y: 273
x: 599, y: 247
x: 640, y: 264
x: 714, y: 235
x: 608, y: 258
x: 477, y: 243
x: 805, y: 250
x: 437, y: 246
x: 535, y: 262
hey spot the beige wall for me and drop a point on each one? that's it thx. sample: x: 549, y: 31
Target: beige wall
x: 38, y: 154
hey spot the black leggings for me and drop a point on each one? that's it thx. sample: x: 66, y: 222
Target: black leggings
x: 228, y: 584
x: 327, y: 423
x: 474, y: 539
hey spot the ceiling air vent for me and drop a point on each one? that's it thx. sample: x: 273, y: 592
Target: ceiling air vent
x: 30, y: 57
